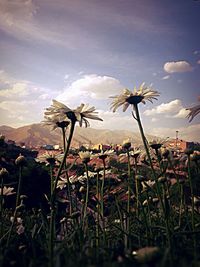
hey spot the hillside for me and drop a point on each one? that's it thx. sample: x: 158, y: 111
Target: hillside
x: 37, y: 135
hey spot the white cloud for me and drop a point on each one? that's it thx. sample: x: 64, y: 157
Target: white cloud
x: 19, y: 113
x: 114, y: 121
x: 165, y: 108
x: 22, y: 102
x: 91, y: 86
x: 182, y: 113
x: 188, y: 133
x: 154, y: 119
x: 173, y: 109
x: 18, y: 89
x: 5, y: 78
x: 177, y: 66
x: 166, y: 77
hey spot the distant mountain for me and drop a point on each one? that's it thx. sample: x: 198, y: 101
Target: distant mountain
x: 37, y: 135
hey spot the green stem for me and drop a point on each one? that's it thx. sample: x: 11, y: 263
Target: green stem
x: 19, y: 187
x: 64, y: 159
x: 192, y: 196
x: 1, y: 208
x: 53, y: 195
x: 129, y: 186
x: 68, y: 182
x: 51, y: 177
x: 144, y: 140
x: 152, y: 168
x: 87, y: 194
x: 136, y: 189
x: 102, y: 195
x: 64, y: 138
x: 51, y: 237
x: 129, y: 199
x: 98, y: 211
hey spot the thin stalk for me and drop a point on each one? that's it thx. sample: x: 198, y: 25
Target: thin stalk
x: 152, y: 169
x: 53, y: 195
x: 1, y: 207
x: 64, y: 159
x: 51, y: 238
x: 51, y: 177
x: 68, y: 182
x: 129, y: 198
x: 136, y: 190
x: 98, y: 211
x: 87, y: 194
x: 19, y: 186
x: 102, y: 195
x: 181, y: 206
x: 12, y: 225
x: 144, y: 140
x: 129, y: 186
x: 192, y: 196
x: 64, y: 138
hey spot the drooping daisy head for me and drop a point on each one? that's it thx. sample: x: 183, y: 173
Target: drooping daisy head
x: 143, y: 94
x: 47, y: 157
x: 55, y: 122
x: 126, y: 144
x: 104, y: 154
x: 80, y: 114
x: 3, y: 173
x: 85, y: 156
x: 20, y: 160
x: 193, y: 111
x: 157, y: 142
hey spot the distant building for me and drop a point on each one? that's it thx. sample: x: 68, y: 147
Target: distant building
x: 57, y: 147
x: 48, y: 147
x: 101, y: 147
x: 179, y: 144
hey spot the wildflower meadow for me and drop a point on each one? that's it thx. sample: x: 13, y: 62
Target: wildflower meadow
x: 134, y: 206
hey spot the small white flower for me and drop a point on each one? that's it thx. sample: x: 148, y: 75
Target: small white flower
x: 85, y: 156
x: 55, y: 122
x: 104, y: 154
x: 7, y: 191
x: 193, y: 111
x: 80, y: 114
x: 127, y: 98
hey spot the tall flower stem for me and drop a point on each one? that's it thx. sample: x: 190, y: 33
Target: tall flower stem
x: 19, y: 186
x: 87, y: 194
x: 144, y: 140
x: 136, y: 189
x: 129, y: 187
x: 192, y: 197
x: 53, y: 195
x: 102, y: 195
x: 64, y: 158
x: 68, y: 182
x: 98, y: 211
x: 1, y: 207
x: 129, y: 198
x: 64, y: 138
x: 153, y: 171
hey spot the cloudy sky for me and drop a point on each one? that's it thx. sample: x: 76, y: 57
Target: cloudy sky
x: 87, y: 50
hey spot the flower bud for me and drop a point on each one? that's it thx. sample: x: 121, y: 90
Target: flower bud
x: 3, y: 173
x: 126, y: 144
x: 20, y: 161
